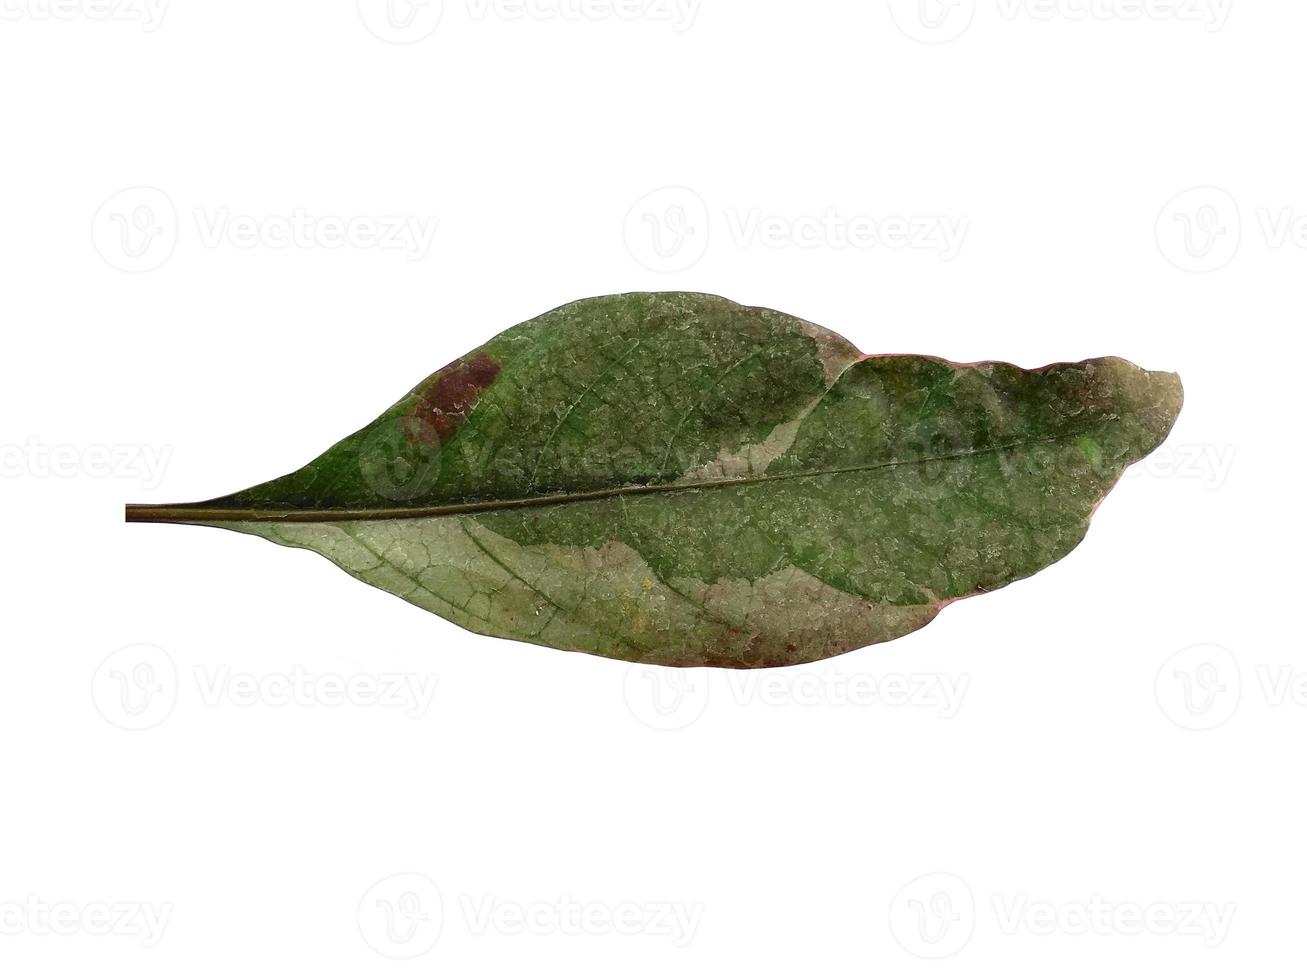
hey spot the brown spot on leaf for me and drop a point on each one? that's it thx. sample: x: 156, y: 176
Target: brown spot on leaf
x: 448, y: 396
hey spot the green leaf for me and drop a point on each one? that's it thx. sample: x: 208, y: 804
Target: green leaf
x: 673, y: 478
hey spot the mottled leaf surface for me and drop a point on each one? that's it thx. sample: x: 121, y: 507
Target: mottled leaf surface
x: 673, y: 478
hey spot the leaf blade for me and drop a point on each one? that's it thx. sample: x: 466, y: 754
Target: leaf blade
x: 712, y: 485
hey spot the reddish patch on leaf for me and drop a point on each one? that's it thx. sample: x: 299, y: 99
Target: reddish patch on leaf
x: 448, y: 398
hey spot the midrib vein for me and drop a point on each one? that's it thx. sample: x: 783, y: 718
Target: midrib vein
x: 203, y: 513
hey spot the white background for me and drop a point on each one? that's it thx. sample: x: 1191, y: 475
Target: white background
x: 1099, y: 768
